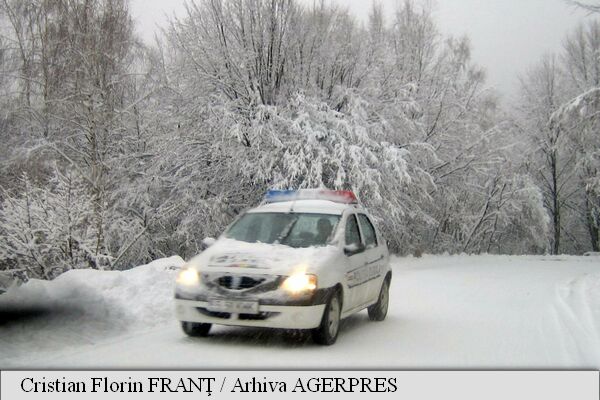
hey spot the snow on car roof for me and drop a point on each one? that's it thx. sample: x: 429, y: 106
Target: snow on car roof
x: 305, y: 206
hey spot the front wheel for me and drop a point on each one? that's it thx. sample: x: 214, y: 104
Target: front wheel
x: 195, y: 329
x: 378, y: 311
x: 327, y: 332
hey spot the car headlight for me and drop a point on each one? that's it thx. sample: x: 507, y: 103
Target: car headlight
x: 188, y: 277
x: 300, y: 282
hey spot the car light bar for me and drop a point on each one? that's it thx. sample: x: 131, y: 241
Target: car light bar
x: 338, y: 196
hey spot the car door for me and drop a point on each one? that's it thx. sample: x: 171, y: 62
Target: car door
x: 355, y: 263
x: 374, y: 255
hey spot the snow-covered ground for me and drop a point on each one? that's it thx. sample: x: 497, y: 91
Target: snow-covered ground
x: 445, y: 312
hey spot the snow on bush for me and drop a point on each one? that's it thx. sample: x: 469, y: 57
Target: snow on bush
x: 46, y: 231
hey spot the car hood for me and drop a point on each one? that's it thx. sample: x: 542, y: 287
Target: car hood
x: 232, y: 256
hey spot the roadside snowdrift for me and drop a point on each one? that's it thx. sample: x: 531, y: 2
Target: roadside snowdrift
x: 85, y: 306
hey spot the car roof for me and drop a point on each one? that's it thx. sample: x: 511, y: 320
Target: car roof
x: 306, y: 206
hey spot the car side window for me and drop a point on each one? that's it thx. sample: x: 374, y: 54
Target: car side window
x: 352, y: 233
x: 368, y: 231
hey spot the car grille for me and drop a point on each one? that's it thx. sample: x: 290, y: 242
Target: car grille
x: 227, y: 284
x: 239, y: 282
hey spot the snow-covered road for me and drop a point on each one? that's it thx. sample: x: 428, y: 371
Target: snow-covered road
x: 445, y: 312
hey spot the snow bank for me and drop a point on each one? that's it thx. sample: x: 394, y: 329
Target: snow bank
x: 83, y: 306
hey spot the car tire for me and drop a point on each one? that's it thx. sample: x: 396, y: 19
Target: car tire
x: 327, y: 332
x: 195, y: 329
x: 378, y: 311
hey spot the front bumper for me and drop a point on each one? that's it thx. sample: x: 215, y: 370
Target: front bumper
x: 269, y: 316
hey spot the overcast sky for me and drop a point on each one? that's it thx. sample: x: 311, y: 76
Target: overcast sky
x: 507, y: 36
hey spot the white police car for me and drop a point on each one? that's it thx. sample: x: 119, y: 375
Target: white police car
x: 301, y: 260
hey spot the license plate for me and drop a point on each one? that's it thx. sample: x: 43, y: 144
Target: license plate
x: 233, y: 306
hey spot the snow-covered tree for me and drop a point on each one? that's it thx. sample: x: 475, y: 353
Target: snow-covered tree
x: 46, y: 231
x: 561, y: 103
x: 591, y: 6
x: 580, y: 115
x: 388, y: 118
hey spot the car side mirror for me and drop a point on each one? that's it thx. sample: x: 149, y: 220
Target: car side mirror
x: 353, y: 248
x: 207, y: 242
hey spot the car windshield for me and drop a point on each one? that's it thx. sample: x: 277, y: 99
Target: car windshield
x: 291, y: 229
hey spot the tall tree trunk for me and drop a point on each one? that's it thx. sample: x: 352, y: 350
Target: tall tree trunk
x: 592, y: 221
x: 555, y: 203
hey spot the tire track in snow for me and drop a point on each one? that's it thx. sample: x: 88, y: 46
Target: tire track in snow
x: 578, y: 314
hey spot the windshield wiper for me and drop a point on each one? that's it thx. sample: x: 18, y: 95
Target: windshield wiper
x: 286, y: 231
